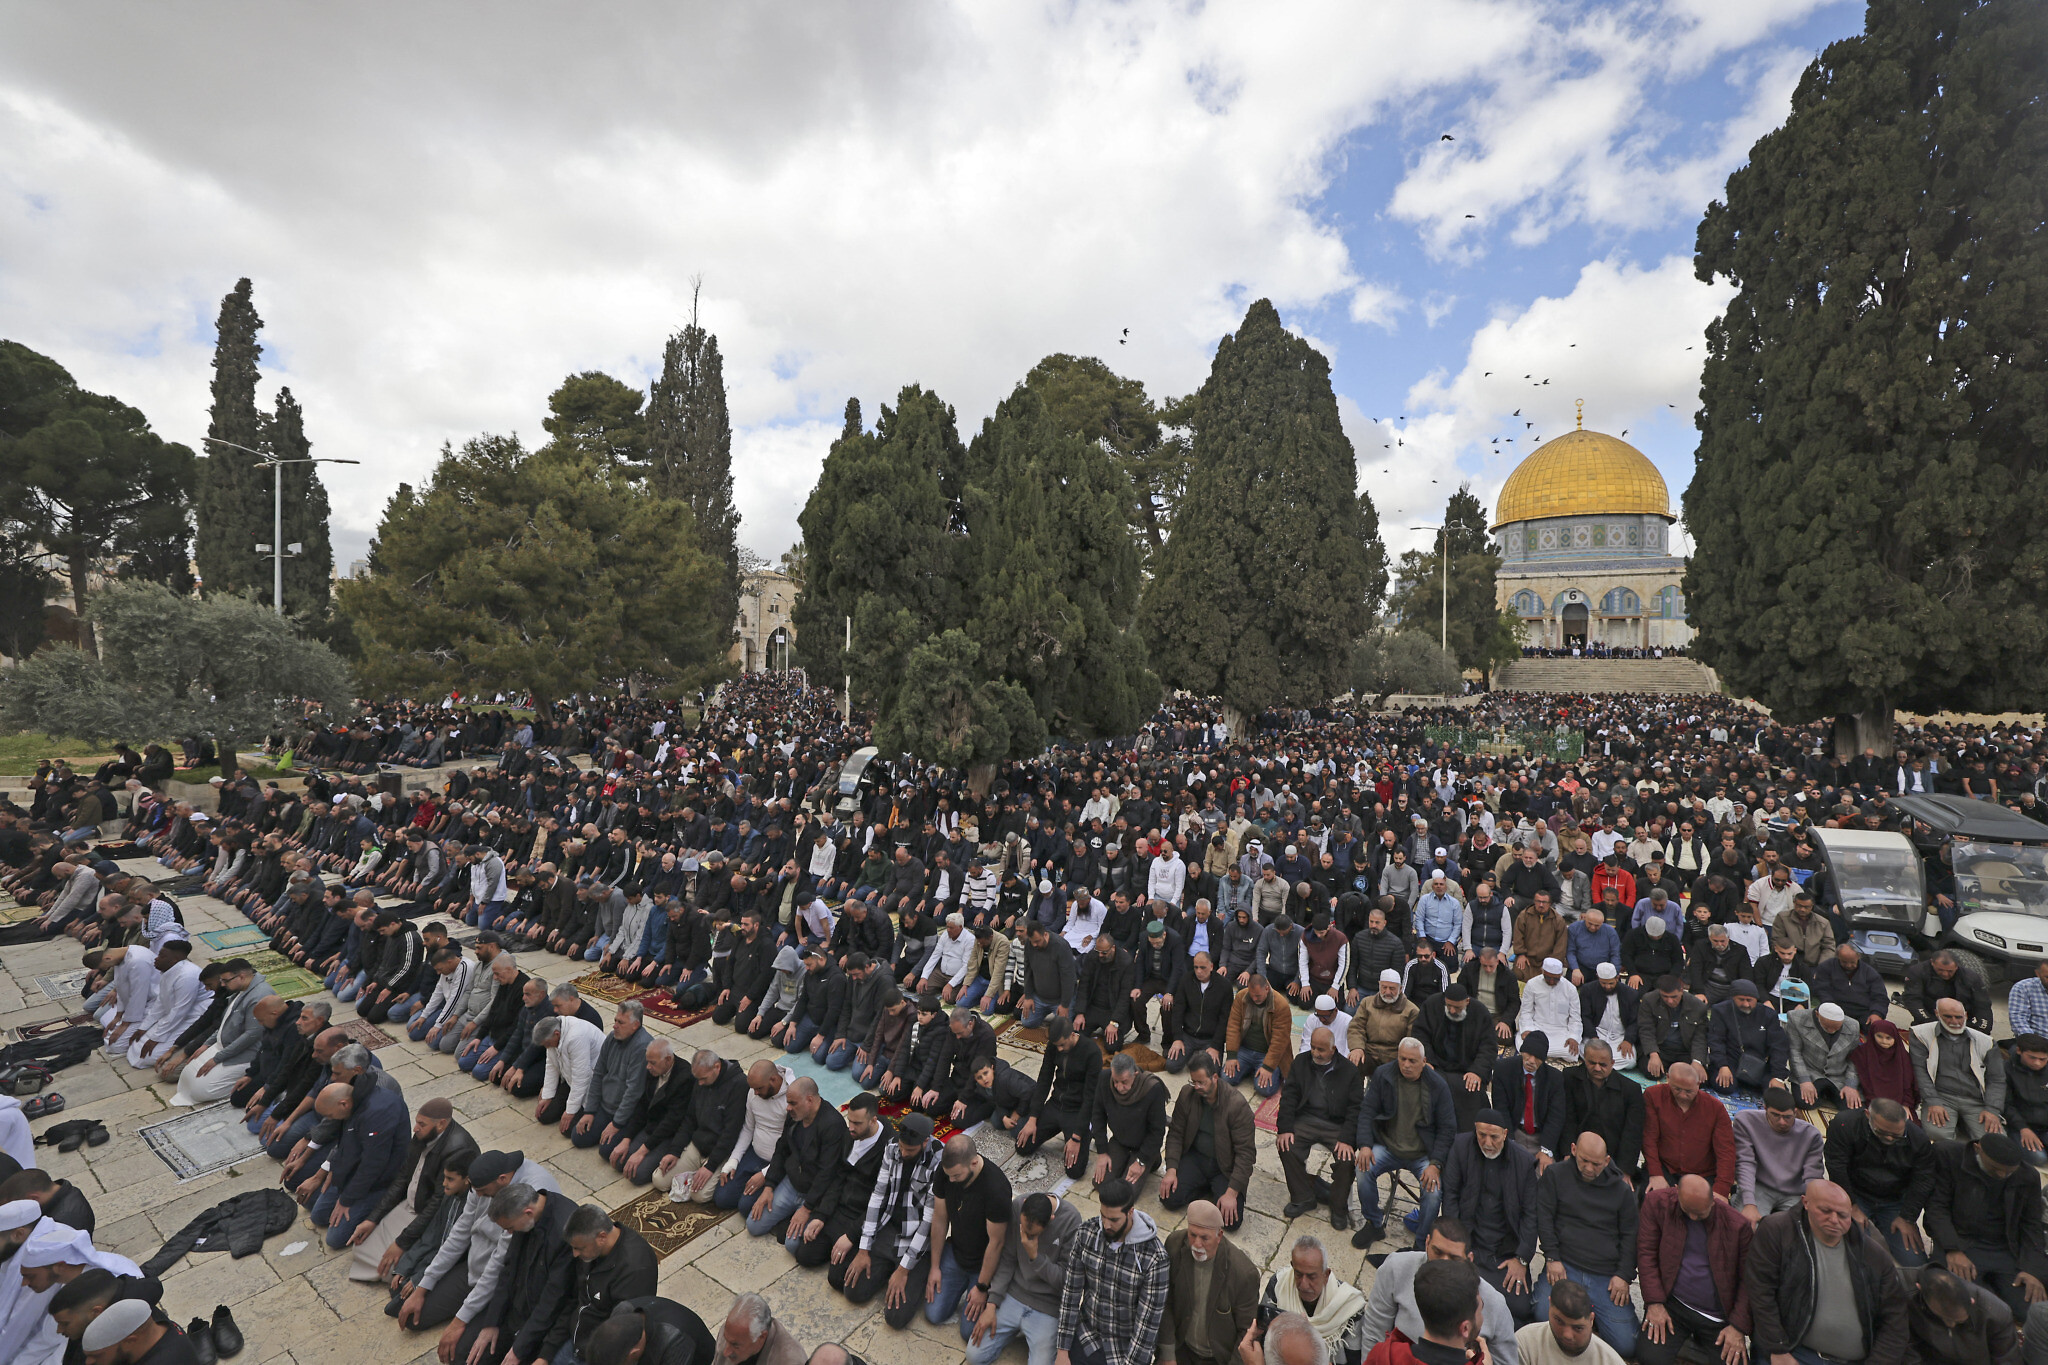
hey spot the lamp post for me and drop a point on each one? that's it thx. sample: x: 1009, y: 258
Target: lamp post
x: 276, y: 466
x: 1444, y: 638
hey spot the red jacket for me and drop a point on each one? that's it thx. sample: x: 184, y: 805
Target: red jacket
x: 1679, y: 1142
x: 1661, y: 1243
x: 1620, y: 878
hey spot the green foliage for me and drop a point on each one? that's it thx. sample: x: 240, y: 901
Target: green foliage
x: 1275, y: 567
x: 235, y: 500
x: 1385, y: 662
x: 1865, y: 508
x: 795, y: 563
x: 689, y: 449
x: 546, y: 573
x: 593, y: 416
x: 31, y: 387
x: 1417, y: 600
x: 309, y: 574
x: 170, y: 665
x: 1051, y: 572
x: 880, y: 524
x: 1150, y: 444
x: 949, y: 711
x: 92, y: 482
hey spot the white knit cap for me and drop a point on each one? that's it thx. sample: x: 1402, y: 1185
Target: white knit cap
x: 1605, y: 971
x: 1388, y: 975
x: 1324, y: 1002
x: 1552, y: 966
x: 118, y: 1321
x: 1831, y: 1012
x: 19, y: 1214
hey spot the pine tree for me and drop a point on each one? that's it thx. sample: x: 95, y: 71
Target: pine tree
x: 1275, y: 567
x: 689, y: 446
x: 880, y: 524
x: 234, y: 496
x: 596, y: 416
x: 309, y: 574
x: 1865, y: 507
x: 1051, y: 572
x: 1088, y: 399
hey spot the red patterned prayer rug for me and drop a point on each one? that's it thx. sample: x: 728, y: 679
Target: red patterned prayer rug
x: 659, y: 1004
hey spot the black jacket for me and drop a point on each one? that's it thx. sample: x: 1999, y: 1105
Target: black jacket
x: 532, y: 1305
x: 1136, y: 1124
x: 1437, y: 1125
x: 662, y: 1108
x: 1732, y: 1034
x: 1653, y: 1020
x: 428, y: 1159
x: 1455, y: 1047
x: 717, y: 1113
x: 1507, y: 990
x: 821, y: 997
x: 1106, y: 990
x: 1649, y: 957
x: 1876, y: 1172
x: 2018, y: 1196
x: 1614, y: 1110
x: 959, y: 1056
x: 1924, y: 989
x: 1199, y: 1011
x: 237, y: 1225
x: 752, y: 966
x: 1714, y: 974
x: 1334, y: 1098
x: 1507, y: 1094
x: 1518, y: 1205
x: 602, y: 1285
x: 1593, y: 1004
x: 1067, y: 1080
x: 812, y: 1157
x: 1780, y: 1273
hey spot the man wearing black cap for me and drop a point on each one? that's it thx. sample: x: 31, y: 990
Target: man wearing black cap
x: 1490, y: 1188
x: 892, y: 1248
x: 1746, y: 1043
x: 1984, y: 1217
x: 1529, y: 1092
x: 1458, y: 1040
x: 1160, y: 962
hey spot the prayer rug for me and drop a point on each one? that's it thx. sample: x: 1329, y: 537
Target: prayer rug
x: 942, y: 1128
x: 659, y: 1004
x: 605, y: 986
x: 1266, y: 1117
x: 1145, y: 1057
x: 1024, y: 1039
x: 835, y: 1087
x: 368, y: 1034
x: 66, y: 984
x: 270, y: 962
x: 202, y: 1141
x: 667, y: 1227
x: 295, y: 983
x: 239, y: 937
x: 18, y: 913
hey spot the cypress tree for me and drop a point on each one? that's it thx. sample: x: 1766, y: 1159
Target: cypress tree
x: 1478, y: 637
x: 1052, y: 572
x: 1275, y: 568
x: 1865, y: 504
x: 689, y: 447
x: 308, y: 575
x: 234, y: 502
x: 1088, y: 399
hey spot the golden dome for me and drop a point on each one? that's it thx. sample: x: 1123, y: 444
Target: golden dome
x: 1583, y: 473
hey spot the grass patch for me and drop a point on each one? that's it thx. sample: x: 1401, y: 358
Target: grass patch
x: 20, y: 753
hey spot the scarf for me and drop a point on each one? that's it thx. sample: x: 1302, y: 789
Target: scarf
x: 1341, y: 1302
x: 1885, y: 1073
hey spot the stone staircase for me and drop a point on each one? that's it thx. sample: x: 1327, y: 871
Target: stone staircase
x: 1606, y: 675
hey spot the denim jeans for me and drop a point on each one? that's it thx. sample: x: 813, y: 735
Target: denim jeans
x: 800, y: 1035
x: 954, y: 1282
x: 1369, y: 1190
x: 1882, y: 1215
x: 1038, y: 1012
x: 337, y: 1237
x: 970, y: 996
x: 728, y: 1194
x: 1039, y: 1330
x: 1616, y: 1324
x: 840, y: 1056
x: 787, y: 1200
x: 423, y: 1021
x: 1249, y: 1060
x: 352, y: 987
x: 596, y: 950
x: 403, y: 1010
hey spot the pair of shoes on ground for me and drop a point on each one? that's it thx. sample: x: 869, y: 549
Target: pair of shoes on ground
x: 214, y: 1341
x: 1340, y: 1214
x: 42, y: 1106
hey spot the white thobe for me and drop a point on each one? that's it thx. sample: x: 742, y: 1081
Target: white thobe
x: 135, y: 984
x: 572, y: 1061
x: 1553, y: 1009
x: 15, y: 1138
x: 180, y: 1000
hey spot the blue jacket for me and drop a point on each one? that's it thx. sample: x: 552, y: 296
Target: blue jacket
x: 1436, y: 1128
x: 373, y: 1147
x: 1585, y: 949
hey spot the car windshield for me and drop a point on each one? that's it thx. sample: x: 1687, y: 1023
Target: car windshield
x: 1878, y: 878
x: 2012, y: 878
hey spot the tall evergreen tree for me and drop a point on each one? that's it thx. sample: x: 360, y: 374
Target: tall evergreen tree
x: 1865, y: 506
x: 1051, y: 572
x: 689, y: 446
x: 1275, y: 567
x: 880, y: 524
x: 234, y: 496
x: 596, y: 416
x: 1088, y: 399
x: 309, y: 574
x: 1478, y: 637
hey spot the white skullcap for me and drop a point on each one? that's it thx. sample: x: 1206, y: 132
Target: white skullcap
x: 118, y: 1321
x: 1655, y: 925
x: 1388, y: 975
x: 1605, y: 971
x: 1290, y: 851
x: 19, y: 1214
x: 75, y: 1249
x: 1831, y: 1012
x: 1324, y: 1002
x: 1045, y: 886
x: 1553, y: 966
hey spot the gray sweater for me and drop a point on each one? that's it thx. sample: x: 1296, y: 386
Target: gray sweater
x: 1036, y: 1281
x: 240, y: 1035
x: 1763, y: 1158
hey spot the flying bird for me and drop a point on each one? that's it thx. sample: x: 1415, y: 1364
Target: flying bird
x: 1518, y: 411
x: 1447, y: 138
x: 1487, y: 375
x: 1545, y: 382
x: 1474, y: 215
x: 1575, y: 345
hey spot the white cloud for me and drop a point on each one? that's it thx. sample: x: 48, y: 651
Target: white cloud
x: 1377, y: 305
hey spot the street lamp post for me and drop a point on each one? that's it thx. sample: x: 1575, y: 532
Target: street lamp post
x: 1444, y: 638
x: 276, y: 466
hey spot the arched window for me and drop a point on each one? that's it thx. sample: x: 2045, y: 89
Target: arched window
x: 1671, y: 603
x: 1621, y: 602
x: 1527, y: 604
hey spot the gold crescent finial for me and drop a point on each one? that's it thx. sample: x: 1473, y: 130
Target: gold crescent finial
x: 1582, y: 414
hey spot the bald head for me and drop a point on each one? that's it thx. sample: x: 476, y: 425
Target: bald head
x: 336, y: 1101
x: 269, y: 1010
x: 1695, y: 1196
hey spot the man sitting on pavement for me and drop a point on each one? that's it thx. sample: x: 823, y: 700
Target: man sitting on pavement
x: 1686, y: 1132
x: 1885, y: 1162
x: 1820, y: 1289
x: 1984, y: 1218
x: 1024, y: 1296
x: 1211, y: 1144
x: 1746, y: 1042
x: 1586, y: 1224
x: 1821, y: 1041
x: 1333, y: 1306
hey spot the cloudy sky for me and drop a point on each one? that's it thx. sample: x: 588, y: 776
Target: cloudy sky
x: 447, y: 208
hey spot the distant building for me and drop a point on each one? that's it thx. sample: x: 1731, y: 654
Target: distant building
x: 765, y: 629
x: 1584, y: 526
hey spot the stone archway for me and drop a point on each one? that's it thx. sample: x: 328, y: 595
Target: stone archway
x: 1572, y: 622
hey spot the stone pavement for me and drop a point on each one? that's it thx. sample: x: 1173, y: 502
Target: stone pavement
x: 301, y: 1308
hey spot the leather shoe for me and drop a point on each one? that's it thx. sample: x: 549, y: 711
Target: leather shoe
x: 200, y: 1337
x: 72, y: 1143
x: 1340, y: 1219
x: 1368, y: 1233
x: 1295, y: 1210
x: 227, y: 1338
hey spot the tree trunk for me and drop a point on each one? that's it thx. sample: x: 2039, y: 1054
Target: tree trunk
x: 1870, y: 728
x: 1235, y: 720
x: 80, y: 568
x: 980, y: 778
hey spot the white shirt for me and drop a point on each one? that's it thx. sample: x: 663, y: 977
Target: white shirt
x: 1769, y: 900
x: 180, y: 1000
x: 948, y: 958
x: 1339, y: 1027
x: 1084, y: 922
x: 1754, y: 939
x: 135, y: 983
x: 1167, y: 879
x: 1554, y: 1009
x: 763, y: 1128
x: 573, y: 1058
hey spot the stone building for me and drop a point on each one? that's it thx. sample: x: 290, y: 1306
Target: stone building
x: 765, y: 629
x: 1585, y: 526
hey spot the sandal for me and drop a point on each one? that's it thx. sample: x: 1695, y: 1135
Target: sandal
x: 42, y: 1106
